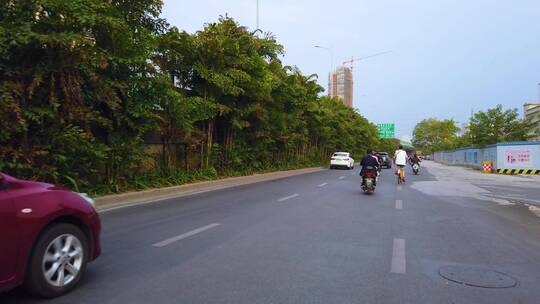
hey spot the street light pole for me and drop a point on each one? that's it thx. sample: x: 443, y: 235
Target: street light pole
x: 257, y: 17
x: 331, y: 62
x: 331, y: 54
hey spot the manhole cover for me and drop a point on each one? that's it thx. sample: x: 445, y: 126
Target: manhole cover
x: 477, y: 277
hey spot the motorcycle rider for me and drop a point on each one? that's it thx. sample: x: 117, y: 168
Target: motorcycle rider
x: 414, y: 159
x: 370, y: 160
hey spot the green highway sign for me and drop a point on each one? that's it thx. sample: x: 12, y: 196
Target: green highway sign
x: 386, y: 130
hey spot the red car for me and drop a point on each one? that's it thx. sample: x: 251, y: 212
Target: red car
x: 47, y: 236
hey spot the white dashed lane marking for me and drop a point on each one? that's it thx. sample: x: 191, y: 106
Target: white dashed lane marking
x: 288, y: 197
x: 322, y: 185
x: 185, y: 235
x: 398, y: 257
x: 399, y: 204
x: 341, y: 177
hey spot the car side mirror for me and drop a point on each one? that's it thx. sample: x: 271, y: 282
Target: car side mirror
x: 3, y: 182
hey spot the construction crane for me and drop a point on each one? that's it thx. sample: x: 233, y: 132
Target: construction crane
x: 352, y: 60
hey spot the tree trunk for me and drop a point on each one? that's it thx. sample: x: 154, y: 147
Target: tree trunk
x: 186, y: 157
x: 163, y: 152
x: 201, y: 152
x: 209, y: 141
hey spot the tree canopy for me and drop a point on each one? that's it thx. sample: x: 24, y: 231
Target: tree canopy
x: 485, y: 127
x: 498, y: 125
x: 99, y: 94
x: 431, y: 135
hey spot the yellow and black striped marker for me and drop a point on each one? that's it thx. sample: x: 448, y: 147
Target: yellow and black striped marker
x: 518, y: 171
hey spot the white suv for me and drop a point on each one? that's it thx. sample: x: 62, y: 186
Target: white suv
x: 341, y: 159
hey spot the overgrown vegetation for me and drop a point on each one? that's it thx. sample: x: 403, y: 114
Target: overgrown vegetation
x: 105, y: 96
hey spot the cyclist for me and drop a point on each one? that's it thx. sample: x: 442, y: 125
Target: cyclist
x: 400, y: 159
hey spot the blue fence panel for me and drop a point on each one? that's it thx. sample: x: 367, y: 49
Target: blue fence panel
x: 511, y: 155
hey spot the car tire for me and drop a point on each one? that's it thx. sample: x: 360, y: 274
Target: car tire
x: 70, y: 263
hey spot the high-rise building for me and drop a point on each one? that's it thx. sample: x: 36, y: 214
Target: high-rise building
x: 531, y: 110
x: 340, y: 84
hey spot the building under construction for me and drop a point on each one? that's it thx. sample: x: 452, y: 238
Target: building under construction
x: 531, y: 111
x: 340, y: 84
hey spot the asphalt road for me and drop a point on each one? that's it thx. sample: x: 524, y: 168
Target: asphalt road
x: 316, y: 238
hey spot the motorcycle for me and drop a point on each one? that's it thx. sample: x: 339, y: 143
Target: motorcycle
x: 415, y: 168
x: 369, y: 180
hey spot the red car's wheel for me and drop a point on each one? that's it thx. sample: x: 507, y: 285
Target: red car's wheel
x: 58, y: 261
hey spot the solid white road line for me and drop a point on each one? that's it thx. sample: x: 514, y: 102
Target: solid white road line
x: 341, y: 177
x: 185, y: 235
x: 399, y: 204
x: 398, y: 257
x: 288, y: 197
x: 322, y: 185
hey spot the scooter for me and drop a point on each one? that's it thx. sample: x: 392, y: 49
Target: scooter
x: 369, y: 180
x: 415, y: 168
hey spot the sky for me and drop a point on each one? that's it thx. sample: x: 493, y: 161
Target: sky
x: 449, y: 57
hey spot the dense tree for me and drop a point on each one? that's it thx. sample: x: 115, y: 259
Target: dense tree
x: 86, y: 84
x: 498, y: 125
x: 485, y: 127
x: 431, y: 135
x: 70, y: 73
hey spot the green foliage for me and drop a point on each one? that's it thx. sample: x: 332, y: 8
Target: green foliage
x: 498, y: 125
x: 68, y: 92
x: 84, y: 84
x: 431, y: 135
x: 485, y: 127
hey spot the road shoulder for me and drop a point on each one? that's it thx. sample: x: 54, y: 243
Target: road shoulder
x: 116, y: 201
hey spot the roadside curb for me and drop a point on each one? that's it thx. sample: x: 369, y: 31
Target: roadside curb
x: 517, y: 200
x: 117, y: 201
